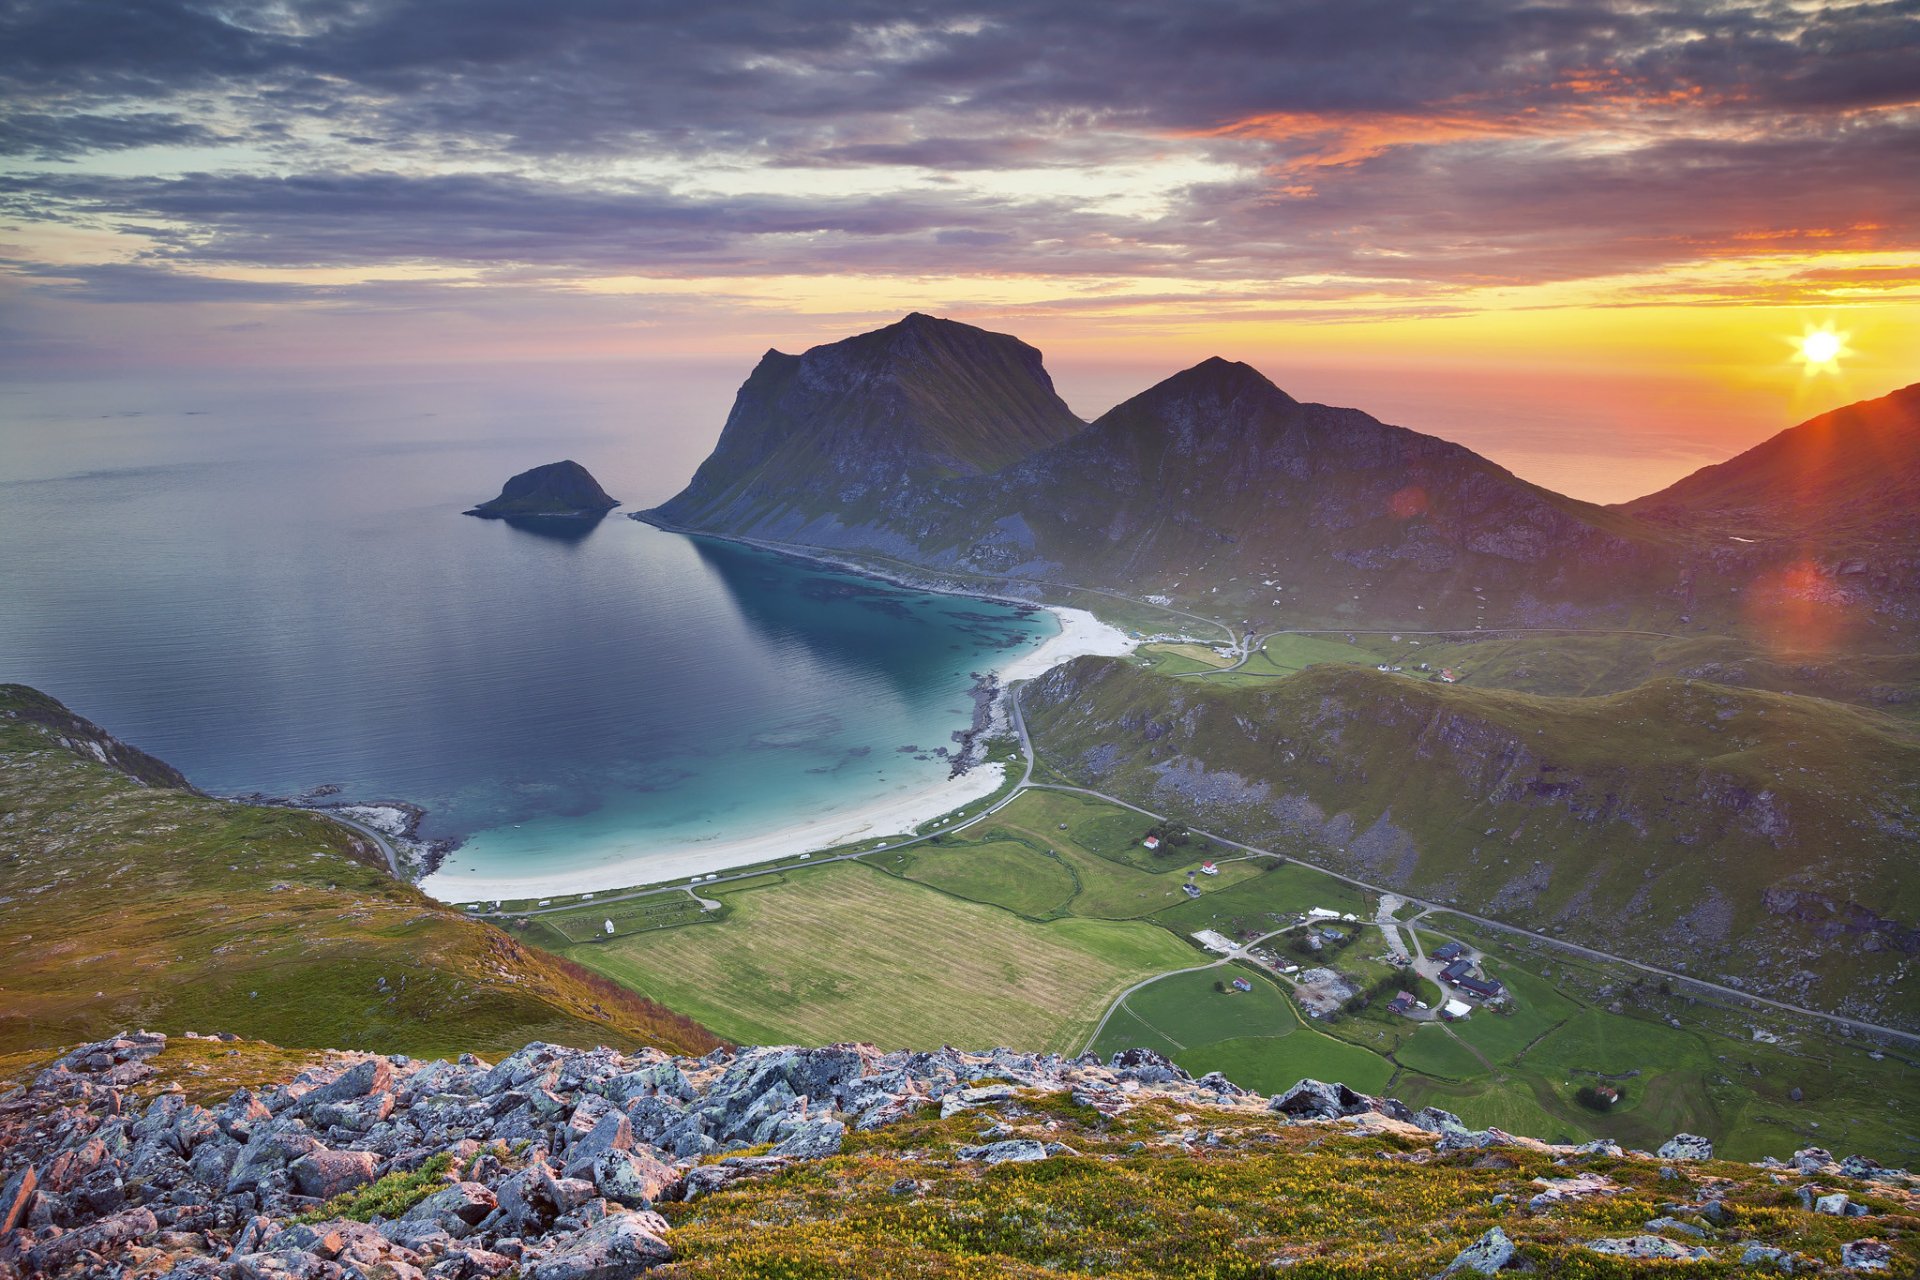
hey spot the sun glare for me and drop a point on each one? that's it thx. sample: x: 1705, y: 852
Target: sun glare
x: 1820, y: 349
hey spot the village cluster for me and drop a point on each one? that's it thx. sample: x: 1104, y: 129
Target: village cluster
x: 1323, y: 990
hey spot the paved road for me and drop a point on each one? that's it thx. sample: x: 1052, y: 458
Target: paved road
x: 393, y: 859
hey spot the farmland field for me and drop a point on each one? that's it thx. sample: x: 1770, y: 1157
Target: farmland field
x: 844, y: 952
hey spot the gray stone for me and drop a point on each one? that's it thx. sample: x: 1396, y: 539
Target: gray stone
x: 816, y: 1139
x: 634, y: 1178
x: 967, y: 1099
x: 375, y: 1075
x: 1648, y: 1247
x: 614, y: 1248
x: 1486, y: 1255
x: 1866, y: 1255
x: 1685, y: 1146
x: 458, y: 1207
x: 1013, y: 1149
x: 1316, y: 1100
x: 17, y: 1198
x: 612, y: 1132
x: 1755, y: 1255
x: 1674, y: 1224
x: 708, y: 1178
x: 324, y: 1174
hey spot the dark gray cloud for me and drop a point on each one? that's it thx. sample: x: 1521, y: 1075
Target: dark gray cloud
x: 1421, y: 144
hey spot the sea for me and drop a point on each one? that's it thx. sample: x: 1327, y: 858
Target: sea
x: 269, y: 584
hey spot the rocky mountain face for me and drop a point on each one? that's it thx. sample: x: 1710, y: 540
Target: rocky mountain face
x: 86, y: 739
x: 561, y: 1164
x: 1752, y: 839
x: 853, y: 431
x: 556, y: 489
x: 1834, y: 501
x: 942, y: 446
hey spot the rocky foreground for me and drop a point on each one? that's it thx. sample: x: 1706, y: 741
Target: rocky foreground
x: 561, y: 1164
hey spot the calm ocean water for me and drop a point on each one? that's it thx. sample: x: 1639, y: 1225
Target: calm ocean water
x: 273, y: 589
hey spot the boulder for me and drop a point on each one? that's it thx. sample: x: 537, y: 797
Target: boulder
x: 1866, y: 1255
x: 1012, y: 1149
x: 1648, y: 1247
x: 1686, y: 1146
x: 615, y: 1248
x: 708, y: 1178
x: 634, y: 1178
x: 457, y: 1208
x: 816, y: 1139
x: 16, y: 1198
x: 612, y: 1132
x: 1486, y: 1255
x: 324, y: 1174
x: 374, y: 1075
x: 1315, y: 1100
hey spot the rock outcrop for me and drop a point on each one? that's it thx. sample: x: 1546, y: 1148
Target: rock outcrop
x: 556, y: 489
x: 555, y: 1161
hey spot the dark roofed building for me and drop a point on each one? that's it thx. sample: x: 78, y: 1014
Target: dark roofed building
x: 1447, y: 952
x: 1485, y: 988
x: 1401, y: 1003
x: 1456, y: 971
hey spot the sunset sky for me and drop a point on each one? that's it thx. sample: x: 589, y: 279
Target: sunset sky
x: 1547, y: 230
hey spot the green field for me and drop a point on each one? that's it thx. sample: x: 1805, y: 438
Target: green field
x: 1049, y: 855
x: 1255, y: 1038
x: 1001, y: 873
x: 589, y: 924
x: 846, y: 952
x: 1264, y: 901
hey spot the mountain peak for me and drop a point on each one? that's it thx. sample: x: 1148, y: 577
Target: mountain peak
x: 1219, y: 379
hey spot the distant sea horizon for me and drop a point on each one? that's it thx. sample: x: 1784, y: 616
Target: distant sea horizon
x: 276, y: 591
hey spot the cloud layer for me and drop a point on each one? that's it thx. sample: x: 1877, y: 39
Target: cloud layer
x: 1403, y: 152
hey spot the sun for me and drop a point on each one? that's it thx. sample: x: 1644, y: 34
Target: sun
x: 1820, y: 350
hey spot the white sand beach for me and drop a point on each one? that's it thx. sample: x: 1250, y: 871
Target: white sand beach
x: 623, y: 864
x: 1081, y: 634
x: 620, y: 861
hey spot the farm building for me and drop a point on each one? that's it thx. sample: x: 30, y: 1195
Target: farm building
x: 1209, y: 869
x: 1402, y: 1003
x: 1454, y: 1010
x: 1151, y: 842
x: 1454, y: 972
x: 1485, y: 988
x: 1241, y: 984
x: 1447, y: 952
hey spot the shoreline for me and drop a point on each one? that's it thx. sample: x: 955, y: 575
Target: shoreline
x: 896, y: 814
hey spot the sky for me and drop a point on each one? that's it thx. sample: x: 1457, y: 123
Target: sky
x: 1581, y: 237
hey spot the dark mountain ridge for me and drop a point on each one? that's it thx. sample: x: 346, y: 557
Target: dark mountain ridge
x: 944, y: 447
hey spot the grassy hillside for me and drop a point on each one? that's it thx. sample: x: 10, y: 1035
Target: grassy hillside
x: 1737, y: 835
x: 127, y: 904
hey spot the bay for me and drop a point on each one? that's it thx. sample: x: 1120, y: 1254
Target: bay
x: 273, y: 589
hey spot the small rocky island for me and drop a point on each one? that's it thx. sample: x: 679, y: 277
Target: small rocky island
x: 557, y: 489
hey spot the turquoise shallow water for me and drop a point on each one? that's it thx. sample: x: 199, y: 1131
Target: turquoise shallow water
x: 277, y: 591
